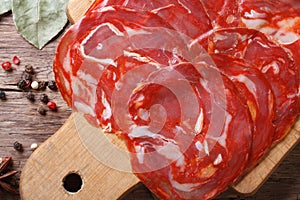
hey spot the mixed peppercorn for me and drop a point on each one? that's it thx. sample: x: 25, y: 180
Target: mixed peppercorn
x: 27, y: 83
x: 2, y: 95
x: 7, y: 66
x: 18, y: 146
x: 31, y: 87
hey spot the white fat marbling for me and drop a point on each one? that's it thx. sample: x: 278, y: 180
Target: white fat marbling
x: 249, y: 84
x: 143, y: 114
x: 274, y: 66
x: 254, y: 23
x: 131, y: 32
x: 199, y: 145
x: 218, y: 160
x: 140, y: 153
x: 169, y: 148
x: 199, y: 123
x: 253, y: 14
x: 136, y: 56
x: 186, y: 187
x: 107, y: 112
x: 155, y: 11
x: 206, y: 148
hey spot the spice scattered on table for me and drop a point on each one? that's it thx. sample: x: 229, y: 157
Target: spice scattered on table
x: 41, y: 110
x: 28, y: 83
x: 52, y: 105
x: 33, y: 146
x: 24, y: 84
x: 43, y: 85
x: 52, y: 85
x: 35, y: 85
x: 7, y: 66
x: 44, y: 98
x: 6, y: 173
x: 16, y: 60
x: 29, y: 69
x: 30, y: 96
x: 2, y: 95
x: 18, y: 146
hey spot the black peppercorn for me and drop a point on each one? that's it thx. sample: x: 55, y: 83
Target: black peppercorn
x: 30, y: 96
x: 18, y: 146
x: 52, y: 85
x: 29, y: 69
x: 44, y: 98
x: 2, y: 95
x: 41, y: 110
x: 24, y: 84
x: 42, y: 85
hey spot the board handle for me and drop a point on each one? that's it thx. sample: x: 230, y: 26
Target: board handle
x: 75, y: 9
x: 62, y: 168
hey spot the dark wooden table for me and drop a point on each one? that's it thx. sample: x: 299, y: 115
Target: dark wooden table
x: 19, y: 120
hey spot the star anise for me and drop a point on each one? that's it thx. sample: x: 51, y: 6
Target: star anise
x: 5, y: 173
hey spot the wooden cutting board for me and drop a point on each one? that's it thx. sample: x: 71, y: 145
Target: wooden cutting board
x: 45, y: 175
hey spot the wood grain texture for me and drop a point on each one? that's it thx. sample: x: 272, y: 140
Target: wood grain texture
x: 64, y: 153
x: 20, y: 122
x: 77, y: 8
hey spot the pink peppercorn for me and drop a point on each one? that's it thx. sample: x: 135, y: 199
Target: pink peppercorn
x: 7, y: 66
x: 16, y: 60
x: 52, y: 105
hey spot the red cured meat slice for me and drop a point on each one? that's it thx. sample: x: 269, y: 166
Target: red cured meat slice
x: 100, y: 34
x: 223, y: 13
x: 192, y: 7
x: 188, y: 17
x: 277, y: 19
x: 93, y: 90
x: 96, y: 60
x: 176, y: 13
x: 64, y: 79
x: 258, y: 94
x: 61, y: 67
x: 195, y: 27
x: 88, y: 57
x: 154, y: 94
x: 273, y: 61
x: 203, y: 168
x: 236, y: 163
x: 66, y: 64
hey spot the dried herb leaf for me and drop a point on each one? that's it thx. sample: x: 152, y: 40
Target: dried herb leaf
x: 5, y: 6
x: 5, y: 164
x: 8, y: 174
x: 38, y: 21
x: 8, y: 187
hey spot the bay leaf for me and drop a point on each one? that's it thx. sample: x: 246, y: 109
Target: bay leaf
x: 38, y: 21
x: 5, y: 6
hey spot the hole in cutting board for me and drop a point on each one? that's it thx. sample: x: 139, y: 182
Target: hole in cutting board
x: 72, y: 183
